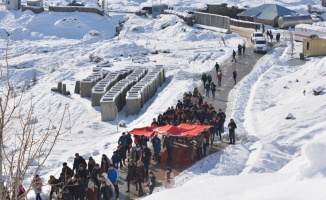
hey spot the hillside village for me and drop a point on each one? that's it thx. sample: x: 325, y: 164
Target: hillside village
x: 172, y: 99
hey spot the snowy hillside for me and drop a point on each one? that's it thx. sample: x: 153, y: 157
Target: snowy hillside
x: 274, y: 158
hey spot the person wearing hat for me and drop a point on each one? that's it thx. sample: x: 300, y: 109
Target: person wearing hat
x: 168, y: 144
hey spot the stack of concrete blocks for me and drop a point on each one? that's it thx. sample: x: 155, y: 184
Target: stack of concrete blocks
x: 115, y: 99
x: 104, y: 85
x: 145, y: 89
x: 89, y: 82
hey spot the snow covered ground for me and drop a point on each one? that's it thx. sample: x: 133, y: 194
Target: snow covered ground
x: 275, y: 158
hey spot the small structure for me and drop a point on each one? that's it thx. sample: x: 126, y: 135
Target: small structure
x: 223, y: 9
x: 289, y: 116
x: 314, y: 47
x: 266, y: 14
x: 38, y: 3
x: 12, y: 4
x: 158, y: 9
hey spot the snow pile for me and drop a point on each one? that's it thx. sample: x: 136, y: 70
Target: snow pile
x: 314, y: 161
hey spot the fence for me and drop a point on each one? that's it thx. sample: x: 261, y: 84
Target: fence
x: 76, y: 8
x: 244, y: 24
x: 218, y: 21
x: 34, y: 9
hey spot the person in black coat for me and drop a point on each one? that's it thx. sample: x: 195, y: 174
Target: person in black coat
x: 152, y: 182
x: 168, y: 144
x: 233, y: 56
x: 82, y: 172
x: 217, y: 67
x: 96, y: 172
x: 106, y: 190
x: 232, y: 126
x: 146, y: 158
x: 77, y: 161
x: 66, y: 171
x: 222, y: 118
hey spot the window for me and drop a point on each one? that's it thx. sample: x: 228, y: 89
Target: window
x: 308, y: 46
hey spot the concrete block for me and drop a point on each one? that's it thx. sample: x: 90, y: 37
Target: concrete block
x: 86, y: 86
x: 77, y: 87
x: 108, y: 109
x: 60, y: 87
x: 64, y: 89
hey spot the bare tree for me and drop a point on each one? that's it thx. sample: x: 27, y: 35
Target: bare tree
x: 24, y: 144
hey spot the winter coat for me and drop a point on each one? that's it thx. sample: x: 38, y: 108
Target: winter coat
x: 115, y: 159
x: 37, y: 185
x: 113, y: 175
x: 83, y: 174
x: 146, y: 155
x: 200, y: 141
x: 91, y: 165
x: 219, y: 75
x: 152, y: 181
x: 140, y: 173
x: 92, y: 194
x: 133, y: 154
x: 213, y: 87
x: 209, y: 78
x: 67, y: 171
x: 123, y: 141
x: 168, y: 142
x: 131, y: 173
x: 77, y: 161
x: 96, y: 173
x: 207, y: 86
x: 234, y: 74
x: 222, y: 116
x: 105, y: 164
x: 191, y: 148
x: 232, y: 126
x: 157, y: 146
x: 107, y: 192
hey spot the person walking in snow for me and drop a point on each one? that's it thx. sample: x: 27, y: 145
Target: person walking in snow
x: 209, y: 78
x: 239, y: 49
x: 37, y: 186
x: 191, y: 150
x: 219, y: 77
x: 152, y: 182
x: 217, y: 67
x: 243, y: 48
x: 77, y: 161
x: 234, y: 73
x: 207, y: 87
x: 213, y: 88
x: 233, y: 56
x: 204, y: 78
x: 232, y: 126
x: 113, y: 176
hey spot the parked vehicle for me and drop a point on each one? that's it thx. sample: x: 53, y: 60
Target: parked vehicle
x: 261, y: 46
x: 256, y: 35
x: 308, y: 31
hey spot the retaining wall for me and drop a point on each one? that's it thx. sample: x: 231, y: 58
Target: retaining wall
x: 218, y: 21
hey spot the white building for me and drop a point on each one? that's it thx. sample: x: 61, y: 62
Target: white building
x: 12, y: 4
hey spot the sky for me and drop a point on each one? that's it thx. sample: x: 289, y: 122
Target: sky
x: 274, y: 158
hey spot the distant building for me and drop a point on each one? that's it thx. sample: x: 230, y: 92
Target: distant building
x: 223, y: 9
x: 38, y: 3
x: 266, y: 14
x: 12, y: 4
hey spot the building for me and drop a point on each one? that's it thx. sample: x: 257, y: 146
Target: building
x: 314, y: 47
x: 223, y: 9
x: 158, y: 9
x: 12, y: 4
x: 266, y: 14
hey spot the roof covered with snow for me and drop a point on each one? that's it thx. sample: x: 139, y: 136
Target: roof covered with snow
x: 267, y: 11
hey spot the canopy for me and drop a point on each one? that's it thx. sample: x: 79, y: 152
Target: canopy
x: 146, y: 131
